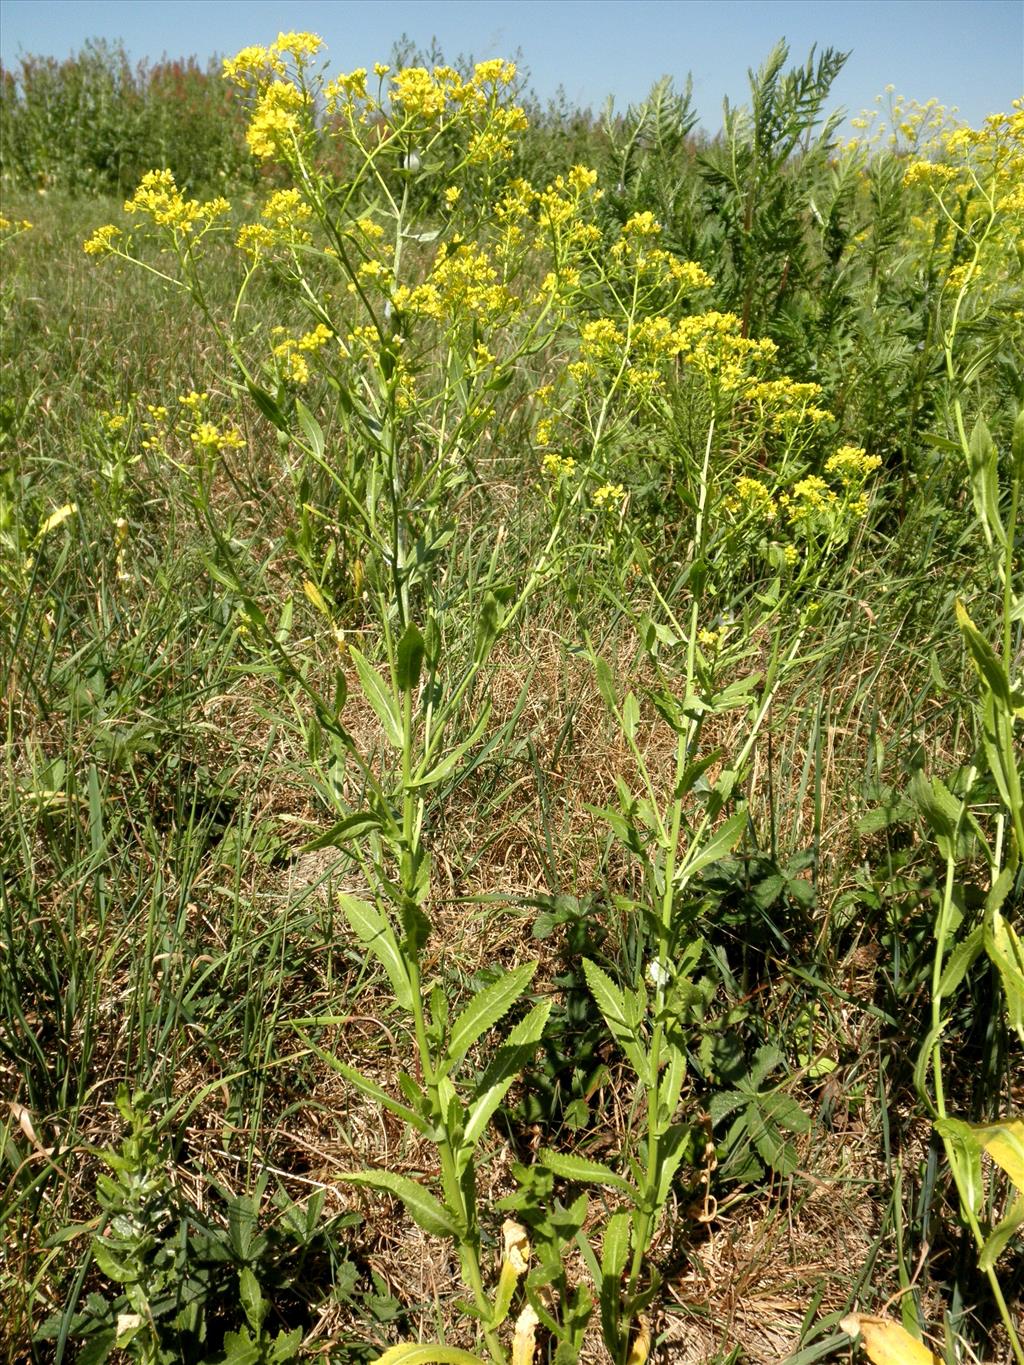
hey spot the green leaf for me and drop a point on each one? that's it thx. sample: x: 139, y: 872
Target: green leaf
x: 986, y: 661
x: 354, y: 826
x: 939, y: 808
x: 379, y: 696
x: 406, y: 1354
x: 311, y: 428
x: 372, y: 929
x: 984, y: 468
x: 722, y: 842
x: 1017, y: 446
x: 441, y: 770
x: 605, y: 682
x: 964, y: 1152
x: 611, y: 1001
x: 410, y: 658
x: 1006, y: 952
x: 485, y: 1010
x: 630, y: 715
x: 584, y: 1172
x: 614, y: 1253
x: 673, y: 1147
x: 504, y: 1067
x: 365, y: 1086
x: 1000, y: 1236
x: 254, y: 1305
x: 423, y: 1208
x: 267, y: 405
x: 961, y: 960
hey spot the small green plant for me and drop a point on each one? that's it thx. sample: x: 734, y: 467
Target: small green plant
x: 174, y: 1271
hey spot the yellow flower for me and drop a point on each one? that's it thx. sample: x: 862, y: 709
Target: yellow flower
x: 609, y: 496
x: 103, y: 241
x: 300, y: 46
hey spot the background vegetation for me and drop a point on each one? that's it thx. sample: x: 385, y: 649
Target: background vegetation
x: 721, y: 737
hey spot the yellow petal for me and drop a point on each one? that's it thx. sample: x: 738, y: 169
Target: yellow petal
x: 887, y: 1343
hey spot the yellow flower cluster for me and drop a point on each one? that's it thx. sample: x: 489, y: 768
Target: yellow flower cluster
x: 712, y: 343
x: 463, y: 284
x: 609, y: 497
x: 752, y: 499
x: 254, y: 66
x: 10, y: 227
x: 852, y: 465
x: 159, y: 199
x: 103, y: 241
x: 281, y: 113
x: 557, y: 467
x: 785, y: 401
x: 292, y: 352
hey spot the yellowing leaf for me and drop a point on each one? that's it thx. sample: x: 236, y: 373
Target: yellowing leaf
x: 1004, y: 1143
x: 316, y: 597
x: 55, y: 519
x: 887, y: 1343
x: 410, y: 1353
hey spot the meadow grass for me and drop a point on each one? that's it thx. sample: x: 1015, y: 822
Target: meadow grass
x: 182, y: 983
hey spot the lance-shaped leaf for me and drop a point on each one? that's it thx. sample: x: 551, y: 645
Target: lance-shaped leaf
x: 367, y: 1087
x: 379, y: 696
x: 1006, y: 951
x: 486, y: 1009
x: 986, y: 660
x: 407, y: 1353
x: 311, y: 428
x: 611, y: 1001
x: 372, y: 930
x: 614, y: 1253
x: 410, y: 658
x: 354, y: 826
x: 422, y: 1207
x: 984, y: 466
x: 722, y: 842
x: 446, y: 765
x: 503, y: 1068
x: 584, y: 1172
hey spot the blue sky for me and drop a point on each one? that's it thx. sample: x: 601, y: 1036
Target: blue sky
x: 964, y: 52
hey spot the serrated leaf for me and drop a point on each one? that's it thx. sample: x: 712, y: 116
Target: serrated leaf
x: 503, y: 1068
x: 485, y: 1010
x: 939, y: 808
x: 372, y: 930
x: 614, y: 1254
x: 423, y: 1208
x: 584, y: 1171
x: 1006, y: 952
x: 961, y: 960
x: 379, y: 696
x: 611, y: 1001
x: 964, y: 1150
